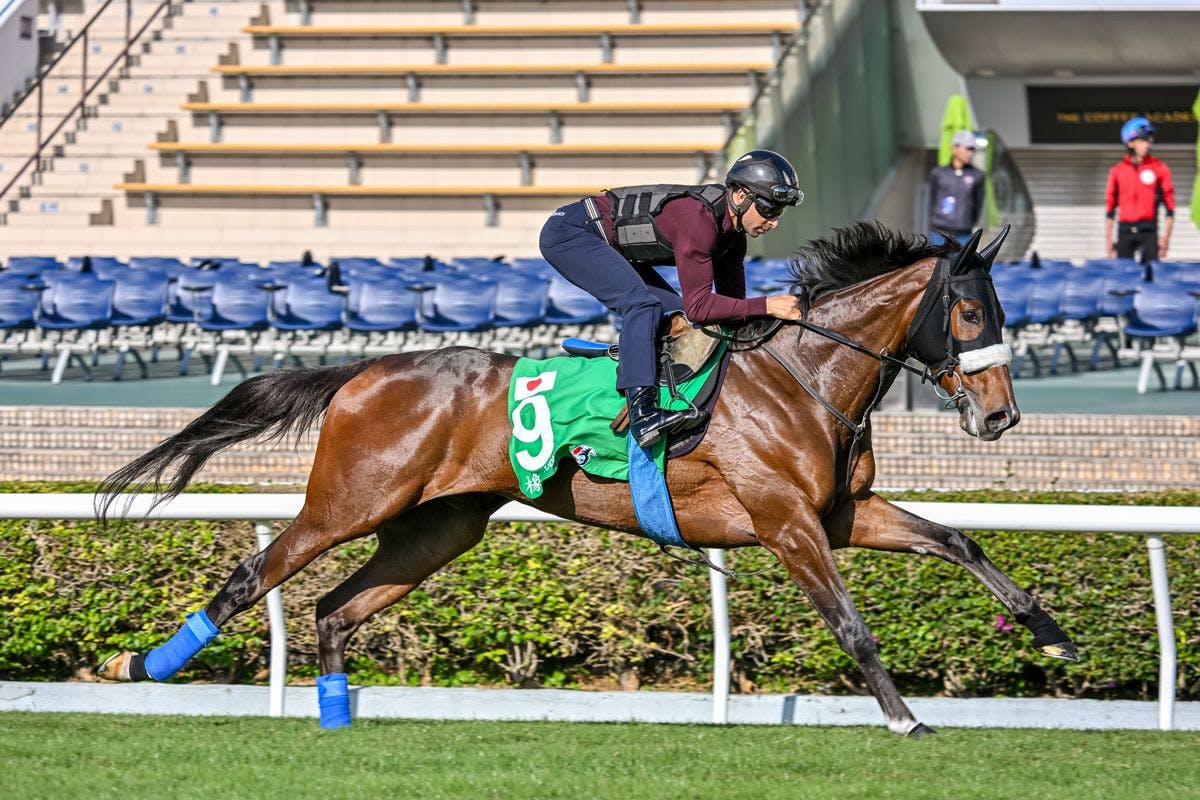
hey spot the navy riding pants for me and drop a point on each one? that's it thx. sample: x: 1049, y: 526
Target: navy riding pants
x: 575, y: 248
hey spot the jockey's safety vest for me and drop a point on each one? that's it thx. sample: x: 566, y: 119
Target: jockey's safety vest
x: 635, y: 207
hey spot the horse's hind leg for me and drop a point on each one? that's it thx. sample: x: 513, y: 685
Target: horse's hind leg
x: 309, y: 535
x: 874, y: 523
x: 412, y: 547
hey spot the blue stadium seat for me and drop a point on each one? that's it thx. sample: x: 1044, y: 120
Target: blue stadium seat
x: 189, y: 296
x: 139, y: 302
x: 1162, y: 310
x: 238, y: 303
x: 1164, y: 315
x: 538, y: 265
x: 306, y: 304
x: 140, y: 297
x: 1013, y: 289
x: 570, y: 305
x: 77, y: 301
x: 381, y: 305
x: 459, y: 304
x: 521, y: 298
x: 1045, y: 300
x: 32, y: 264
x: 477, y: 263
x: 74, y: 308
x: 767, y: 277
x: 418, y: 264
x: 18, y: 302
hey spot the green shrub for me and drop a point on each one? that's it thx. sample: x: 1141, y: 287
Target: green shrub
x: 567, y: 605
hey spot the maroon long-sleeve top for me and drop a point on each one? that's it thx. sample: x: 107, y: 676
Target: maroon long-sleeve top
x: 714, y: 289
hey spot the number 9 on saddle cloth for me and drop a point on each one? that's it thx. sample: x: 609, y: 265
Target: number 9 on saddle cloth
x: 567, y: 406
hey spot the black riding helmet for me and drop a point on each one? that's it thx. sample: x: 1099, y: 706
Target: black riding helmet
x: 770, y: 180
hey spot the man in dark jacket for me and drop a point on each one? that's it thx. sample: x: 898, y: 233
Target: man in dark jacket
x: 956, y: 191
x: 608, y: 244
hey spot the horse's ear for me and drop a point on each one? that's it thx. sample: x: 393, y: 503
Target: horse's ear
x: 964, y: 259
x: 988, y: 254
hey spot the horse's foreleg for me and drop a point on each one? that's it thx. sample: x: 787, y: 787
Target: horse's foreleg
x: 876, y: 524
x: 412, y: 547
x: 804, y: 549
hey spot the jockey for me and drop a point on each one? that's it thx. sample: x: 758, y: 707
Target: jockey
x: 608, y: 244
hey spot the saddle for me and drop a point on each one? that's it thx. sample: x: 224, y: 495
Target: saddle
x: 682, y: 351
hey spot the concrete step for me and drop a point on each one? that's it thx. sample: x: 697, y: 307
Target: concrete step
x: 1124, y: 453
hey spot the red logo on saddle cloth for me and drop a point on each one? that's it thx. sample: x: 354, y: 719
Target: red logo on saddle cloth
x: 583, y: 454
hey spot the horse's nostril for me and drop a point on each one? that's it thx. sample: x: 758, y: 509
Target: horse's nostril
x: 997, y: 420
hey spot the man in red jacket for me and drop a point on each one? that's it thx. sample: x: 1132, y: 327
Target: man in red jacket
x: 1137, y: 185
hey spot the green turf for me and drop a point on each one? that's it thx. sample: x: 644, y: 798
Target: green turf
x: 63, y: 756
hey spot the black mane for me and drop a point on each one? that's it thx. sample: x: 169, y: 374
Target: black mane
x: 857, y: 253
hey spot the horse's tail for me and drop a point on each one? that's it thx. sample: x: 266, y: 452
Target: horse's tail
x: 266, y: 407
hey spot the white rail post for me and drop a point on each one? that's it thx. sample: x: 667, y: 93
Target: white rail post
x: 720, y: 613
x: 278, y: 631
x: 1166, y: 632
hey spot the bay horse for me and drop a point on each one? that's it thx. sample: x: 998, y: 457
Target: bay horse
x: 414, y: 449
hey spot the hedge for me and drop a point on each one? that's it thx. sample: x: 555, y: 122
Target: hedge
x: 568, y: 605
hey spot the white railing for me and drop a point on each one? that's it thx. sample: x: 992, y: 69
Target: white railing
x: 264, y: 508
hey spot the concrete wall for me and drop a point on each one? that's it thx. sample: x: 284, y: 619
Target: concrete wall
x: 18, y: 54
x: 922, y: 82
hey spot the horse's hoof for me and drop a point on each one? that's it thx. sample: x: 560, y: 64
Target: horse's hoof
x: 1064, y: 650
x: 920, y: 731
x: 116, y: 667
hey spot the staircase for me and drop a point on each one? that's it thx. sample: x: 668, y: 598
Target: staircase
x: 1065, y: 452
x: 68, y: 207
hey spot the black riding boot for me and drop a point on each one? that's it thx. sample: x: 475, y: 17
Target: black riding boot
x: 647, y: 422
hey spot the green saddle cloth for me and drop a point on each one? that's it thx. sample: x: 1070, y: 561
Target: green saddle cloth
x: 563, y: 407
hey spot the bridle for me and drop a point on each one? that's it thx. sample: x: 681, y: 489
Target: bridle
x: 938, y: 296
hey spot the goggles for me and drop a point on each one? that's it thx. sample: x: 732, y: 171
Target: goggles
x: 767, y: 209
x: 771, y: 204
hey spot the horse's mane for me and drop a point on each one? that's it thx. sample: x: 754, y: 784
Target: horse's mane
x: 853, y: 254
x: 857, y: 253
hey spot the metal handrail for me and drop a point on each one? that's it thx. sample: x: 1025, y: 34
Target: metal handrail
x: 85, y: 90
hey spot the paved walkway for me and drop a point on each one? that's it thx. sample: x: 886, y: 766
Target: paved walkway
x: 580, y: 706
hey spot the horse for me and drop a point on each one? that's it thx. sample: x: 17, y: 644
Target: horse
x: 413, y: 448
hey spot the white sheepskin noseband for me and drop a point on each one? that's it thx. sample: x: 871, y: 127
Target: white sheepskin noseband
x: 978, y: 360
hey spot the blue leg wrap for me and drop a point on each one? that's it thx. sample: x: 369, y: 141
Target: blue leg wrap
x: 333, y: 696
x: 165, y: 660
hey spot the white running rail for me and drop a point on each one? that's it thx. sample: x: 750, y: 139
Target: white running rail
x: 261, y: 509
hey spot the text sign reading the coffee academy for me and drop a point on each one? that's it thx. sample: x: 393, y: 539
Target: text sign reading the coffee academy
x: 1094, y: 114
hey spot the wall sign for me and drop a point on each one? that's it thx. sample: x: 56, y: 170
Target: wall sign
x: 1094, y: 114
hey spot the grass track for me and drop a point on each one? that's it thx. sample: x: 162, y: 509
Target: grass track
x: 65, y: 756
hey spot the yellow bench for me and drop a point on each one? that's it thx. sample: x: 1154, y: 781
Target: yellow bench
x: 520, y: 31
x: 440, y: 35
x: 338, y: 70
x: 523, y: 152
x: 319, y: 193
x: 383, y: 111
x: 581, y: 74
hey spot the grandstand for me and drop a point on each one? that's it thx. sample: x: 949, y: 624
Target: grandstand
x: 258, y: 130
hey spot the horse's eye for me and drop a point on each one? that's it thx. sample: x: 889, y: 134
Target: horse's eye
x: 970, y: 316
